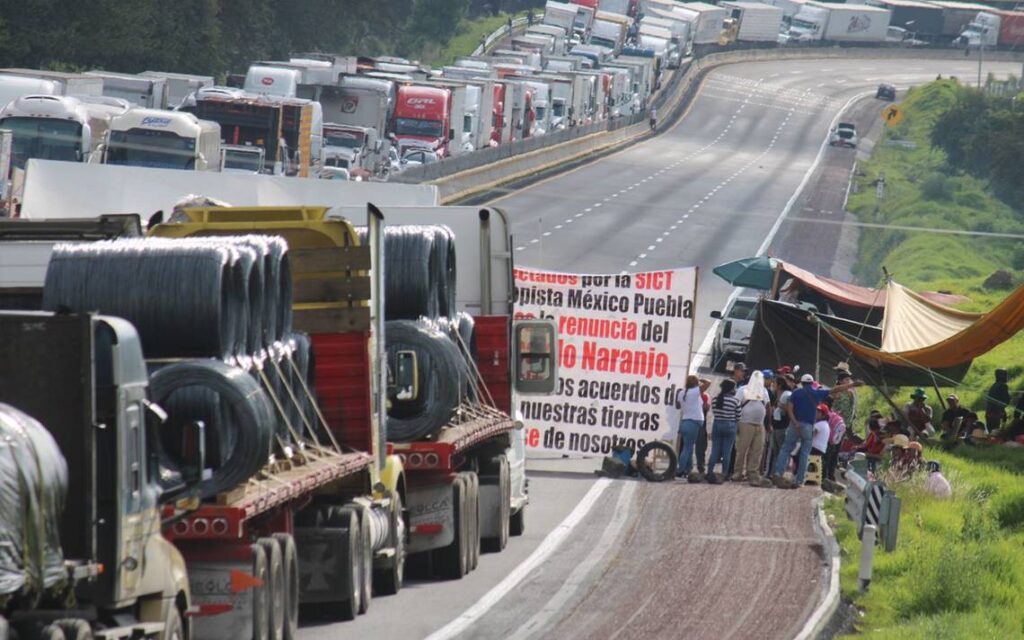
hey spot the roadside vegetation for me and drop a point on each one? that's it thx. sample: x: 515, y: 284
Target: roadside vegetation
x: 467, y: 38
x: 958, y: 571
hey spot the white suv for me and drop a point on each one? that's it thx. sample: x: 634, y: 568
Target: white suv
x: 844, y: 135
x: 733, y: 334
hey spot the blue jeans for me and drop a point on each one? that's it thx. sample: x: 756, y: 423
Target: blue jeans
x: 723, y: 439
x: 689, y: 430
x: 802, y: 432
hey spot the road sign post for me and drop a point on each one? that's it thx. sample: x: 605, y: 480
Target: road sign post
x: 867, y: 556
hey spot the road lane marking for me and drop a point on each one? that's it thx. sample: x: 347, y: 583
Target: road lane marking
x: 539, y: 622
x: 548, y: 546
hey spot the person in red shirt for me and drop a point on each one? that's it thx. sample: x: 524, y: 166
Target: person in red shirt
x: 874, y: 445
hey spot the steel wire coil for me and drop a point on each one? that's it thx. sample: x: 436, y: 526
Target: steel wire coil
x: 442, y: 379
x: 233, y: 406
x: 419, y: 272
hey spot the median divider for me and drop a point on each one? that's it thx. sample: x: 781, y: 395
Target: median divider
x: 466, y: 175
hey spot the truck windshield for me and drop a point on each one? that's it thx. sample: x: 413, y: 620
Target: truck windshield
x: 413, y: 127
x: 43, y: 138
x: 804, y: 24
x: 243, y: 160
x: 347, y: 140
x: 558, y: 109
x: 146, y: 148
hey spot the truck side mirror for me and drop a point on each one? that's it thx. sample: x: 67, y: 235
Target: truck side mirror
x: 536, y: 356
x: 193, y: 452
x: 404, y: 384
x: 716, y: 314
x: 451, y: 134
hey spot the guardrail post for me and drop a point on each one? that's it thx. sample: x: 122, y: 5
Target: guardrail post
x: 867, y: 556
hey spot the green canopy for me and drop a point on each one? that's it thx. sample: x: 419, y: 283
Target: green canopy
x: 756, y: 272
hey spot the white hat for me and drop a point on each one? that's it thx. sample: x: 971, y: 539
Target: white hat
x: 806, y: 378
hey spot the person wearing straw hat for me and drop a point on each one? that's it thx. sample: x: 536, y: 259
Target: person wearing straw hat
x: 845, y: 403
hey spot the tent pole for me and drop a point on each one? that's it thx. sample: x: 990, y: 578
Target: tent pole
x: 938, y: 394
x: 817, y: 354
x: 774, y: 293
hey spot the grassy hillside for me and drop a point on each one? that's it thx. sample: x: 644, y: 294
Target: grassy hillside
x: 921, y: 192
x: 467, y: 38
x: 958, y: 571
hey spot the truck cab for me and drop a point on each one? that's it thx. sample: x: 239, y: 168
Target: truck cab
x: 126, y: 579
x: 47, y: 127
x: 423, y: 117
x: 242, y: 158
x: 733, y: 334
x: 163, y: 139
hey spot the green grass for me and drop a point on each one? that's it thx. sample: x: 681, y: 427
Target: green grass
x: 920, y: 192
x: 467, y: 38
x: 957, y: 571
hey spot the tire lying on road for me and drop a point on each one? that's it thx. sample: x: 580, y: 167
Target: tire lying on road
x: 643, y: 461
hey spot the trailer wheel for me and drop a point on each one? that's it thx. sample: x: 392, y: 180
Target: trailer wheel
x: 366, y: 557
x: 260, y: 595
x: 474, y: 519
x: 290, y: 562
x: 347, y: 606
x: 275, y: 588
x: 74, y: 629
x: 498, y: 543
x: 51, y: 632
x: 517, y: 523
x: 450, y: 561
x: 388, y: 579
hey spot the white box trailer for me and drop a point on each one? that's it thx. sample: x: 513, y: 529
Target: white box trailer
x: 707, y: 20
x: 561, y: 15
x: 180, y: 85
x: 789, y: 7
x: 682, y: 29
x: 957, y: 15
x: 558, y: 38
x: 143, y: 91
x: 758, y: 22
x: 66, y: 84
x: 839, y: 23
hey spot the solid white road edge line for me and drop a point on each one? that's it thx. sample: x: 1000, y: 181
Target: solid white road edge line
x: 705, y: 346
x: 830, y: 598
x: 544, y: 550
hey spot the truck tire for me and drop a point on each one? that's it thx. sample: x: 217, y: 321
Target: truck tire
x: 275, y: 588
x: 366, y: 556
x: 260, y: 595
x: 290, y: 563
x: 474, y: 519
x: 450, y: 561
x: 347, y: 607
x: 73, y: 628
x: 387, y: 580
x: 497, y: 544
x: 517, y: 523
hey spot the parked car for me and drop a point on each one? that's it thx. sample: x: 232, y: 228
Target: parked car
x: 844, y: 135
x: 733, y: 334
x: 886, y: 92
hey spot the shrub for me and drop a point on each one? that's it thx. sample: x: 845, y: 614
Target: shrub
x: 936, y: 187
x: 1008, y: 510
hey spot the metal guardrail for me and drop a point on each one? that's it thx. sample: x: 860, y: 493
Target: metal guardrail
x: 498, y: 34
x: 875, y: 510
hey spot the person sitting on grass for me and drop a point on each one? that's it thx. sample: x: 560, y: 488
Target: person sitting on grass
x: 954, y: 418
x: 936, y: 484
x: 919, y: 415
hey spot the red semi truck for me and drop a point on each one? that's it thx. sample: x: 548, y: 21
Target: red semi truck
x: 423, y: 118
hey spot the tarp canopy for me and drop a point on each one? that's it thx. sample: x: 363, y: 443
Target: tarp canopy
x: 785, y: 334
x: 929, y: 335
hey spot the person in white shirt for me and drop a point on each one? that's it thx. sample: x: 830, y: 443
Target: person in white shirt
x: 819, y: 442
x: 936, y: 483
x: 690, y: 403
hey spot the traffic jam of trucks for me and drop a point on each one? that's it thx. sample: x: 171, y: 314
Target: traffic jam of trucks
x: 273, y: 409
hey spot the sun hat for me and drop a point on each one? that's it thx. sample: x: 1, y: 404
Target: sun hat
x: 900, y: 440
x: 916, y: 446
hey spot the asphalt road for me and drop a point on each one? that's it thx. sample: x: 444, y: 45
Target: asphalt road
x: 625, y: 559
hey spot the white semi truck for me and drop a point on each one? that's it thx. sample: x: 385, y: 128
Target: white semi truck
x: 838, y: 23
x: 163, y: 139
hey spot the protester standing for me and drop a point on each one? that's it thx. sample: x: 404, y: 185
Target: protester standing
x: 819, y: 441
x: 726, y: 409
x: 690, y: 403
x: 845, y: 403
x: 780, y: 419
x: 998, y: 400
x: 754, y: 403
x: 802, y: 410
x: 702, y: 435
x: 836, y: 432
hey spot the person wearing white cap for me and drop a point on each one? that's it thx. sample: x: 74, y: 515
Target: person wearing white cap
x: 802, y: 409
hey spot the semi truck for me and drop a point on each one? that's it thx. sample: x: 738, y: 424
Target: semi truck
x: 290, y: 130
x: 994, y: 28
x: 422, y: 118
x: 357, y: 149
x: 561, y: 15
x: 753, y: 21
x: 608, y: 35
x: 839, y: 23
x: 58, y: 127
x: 162, y: 139
x: 707, y: 20
x: 108, y: 572
x: 923, y: 19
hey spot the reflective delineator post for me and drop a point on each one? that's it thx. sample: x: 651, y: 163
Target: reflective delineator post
x: 867, y: 555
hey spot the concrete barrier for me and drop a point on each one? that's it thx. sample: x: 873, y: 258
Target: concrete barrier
x: 473, y: 173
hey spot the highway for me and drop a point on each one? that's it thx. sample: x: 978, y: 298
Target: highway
x: 625, y: 559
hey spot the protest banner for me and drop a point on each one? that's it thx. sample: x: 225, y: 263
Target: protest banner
x: 624, y: 345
